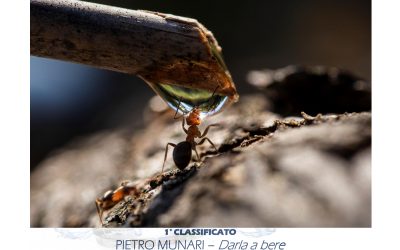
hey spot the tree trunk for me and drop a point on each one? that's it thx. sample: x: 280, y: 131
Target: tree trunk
x: 269, y: 171
x: 160, y: 48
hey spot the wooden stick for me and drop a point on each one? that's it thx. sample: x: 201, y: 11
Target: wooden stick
x: 160, y: 48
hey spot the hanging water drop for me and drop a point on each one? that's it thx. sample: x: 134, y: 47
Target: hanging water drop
x: 208, y: 102
x: 185, y: 84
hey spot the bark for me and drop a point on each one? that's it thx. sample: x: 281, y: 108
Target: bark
x: 158, y: 47
x: 269, y: 171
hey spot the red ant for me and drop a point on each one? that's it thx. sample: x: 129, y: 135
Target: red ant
x: 182, y: 153
x: 111, y: 198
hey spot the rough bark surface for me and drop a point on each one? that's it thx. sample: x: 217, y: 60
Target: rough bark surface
x: 160, y: 48
x: 269, y: 171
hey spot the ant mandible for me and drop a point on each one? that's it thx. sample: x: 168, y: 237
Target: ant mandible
x: 182, y: 153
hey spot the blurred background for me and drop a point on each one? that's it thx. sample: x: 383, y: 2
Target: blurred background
x: 69, y: 101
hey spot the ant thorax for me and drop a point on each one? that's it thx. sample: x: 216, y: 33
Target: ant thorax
x: 193, y: 132
x: 193, y: 120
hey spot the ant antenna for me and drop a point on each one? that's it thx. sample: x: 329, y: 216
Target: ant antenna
x: 176, y: 112
x: 209, y: 107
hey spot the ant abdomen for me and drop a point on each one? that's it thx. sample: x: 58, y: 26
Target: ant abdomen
x: 182, y: 154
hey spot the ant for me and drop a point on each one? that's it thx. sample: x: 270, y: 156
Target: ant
x: 182, y: 153
x: 111, y: 198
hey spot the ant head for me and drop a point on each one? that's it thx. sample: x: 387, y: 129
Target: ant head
x: 194, y: 117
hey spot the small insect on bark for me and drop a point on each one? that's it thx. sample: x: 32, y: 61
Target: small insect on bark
x: 111, y: 198
x: 182, y: 153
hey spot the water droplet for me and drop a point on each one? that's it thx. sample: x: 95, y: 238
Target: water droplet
x: 208, y: 102
x: 170, y: 80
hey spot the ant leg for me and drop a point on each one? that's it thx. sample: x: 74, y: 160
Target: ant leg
x: 99, y: 210
x: 208, y: 127
x: 197, y: 154
x: 165, y: 156
x: 176, y: 112
x: 206, y: 138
